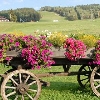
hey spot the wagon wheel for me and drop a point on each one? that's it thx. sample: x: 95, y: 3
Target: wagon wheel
x: 84, y: 74
x: 20, y: 85
x: 2, y: 78
x: 95, y: 80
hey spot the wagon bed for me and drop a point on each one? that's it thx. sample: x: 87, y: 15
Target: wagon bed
x: 65, y: 61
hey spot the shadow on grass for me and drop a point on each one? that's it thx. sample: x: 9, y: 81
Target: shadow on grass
x: 70, y: 87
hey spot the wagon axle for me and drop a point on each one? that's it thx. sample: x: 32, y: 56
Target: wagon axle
x: 22, y: 88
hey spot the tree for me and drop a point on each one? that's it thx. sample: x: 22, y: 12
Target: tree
x: 13, y: 17
x: 78, y: 12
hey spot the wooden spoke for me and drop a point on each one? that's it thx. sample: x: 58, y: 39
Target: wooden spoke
x: 89, y: 68
x: 12, y: 93
x: 16, y: 98
x: 32, y: 83
x: 9, y: 87
x: 29, y: 96
x: 86, y: 82
x: 86, y: 75
x: 14, y: 81
x: 97, y: 86
x: 84, y: 69
x: 32, y: 90
x: 20, y: 80
x: 27, y: 78
x: 22, y: 97
x: 84, y: 79
x: 97, y: 73
x: 96, y: 80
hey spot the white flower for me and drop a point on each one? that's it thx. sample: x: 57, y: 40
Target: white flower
x: 66, y: 35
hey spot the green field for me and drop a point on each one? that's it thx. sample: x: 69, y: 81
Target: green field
x: 62, y: 87
x: 46, y: 23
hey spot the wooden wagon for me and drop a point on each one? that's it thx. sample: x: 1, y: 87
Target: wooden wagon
x: 20, y: 82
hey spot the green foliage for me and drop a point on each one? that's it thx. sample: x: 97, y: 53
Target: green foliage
x: 13, y: 17
x: 78, y: 12
x: 70, y: 18
x: 26, y: 14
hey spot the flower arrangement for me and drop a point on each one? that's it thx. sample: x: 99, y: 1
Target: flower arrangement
x: 97, y: 53
x: 57, y: 39
x: 75, y: 49
x: 89, y: 40
x: 36, y: 50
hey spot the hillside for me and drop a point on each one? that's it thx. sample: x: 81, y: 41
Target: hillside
x: 46, y: 23
x: 50, y: 17
x: 79, y: 12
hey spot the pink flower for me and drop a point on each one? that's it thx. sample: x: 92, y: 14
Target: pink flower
x: 17, y: 44
x: 74, y: 49
x: 36, y: 51
x: 38, y: 67
x: 11, y: 40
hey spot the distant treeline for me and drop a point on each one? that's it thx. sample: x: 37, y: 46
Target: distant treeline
x: 21, y: 15
x: 79, y: 12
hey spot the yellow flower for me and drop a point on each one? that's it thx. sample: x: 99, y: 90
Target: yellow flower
x: 57, y: 39
x: 17, y: 33
x: 89, y: 39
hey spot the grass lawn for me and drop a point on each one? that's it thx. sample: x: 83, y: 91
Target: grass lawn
x: 46, y: 23
x: 62, y: 87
